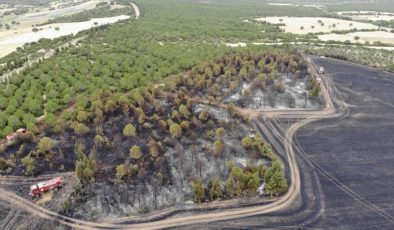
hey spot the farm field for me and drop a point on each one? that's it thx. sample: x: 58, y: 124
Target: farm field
x: 361, y: 37
x: 305, y: 25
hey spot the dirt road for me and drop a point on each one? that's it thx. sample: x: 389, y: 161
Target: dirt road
x: 136, y: 10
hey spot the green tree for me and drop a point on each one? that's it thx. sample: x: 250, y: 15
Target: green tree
x: 110, y: 106
x: 220, y: 132
x: 253, y: 181
x: 218, y: 147
x: 50, y: 119
x: 185, y: 125
x: 216, y: 190
x: 81, y: 129
x: 175, y: 130
x: 30, y: 164
x: 129, y: 130
x: 231, y: 187
x: 121, y: 171
x: 315, y: 90
x: 85, y: 170
x: 275, y: 181
x: 184, y: 111
x: 199, y: 191
x: 99, y: 140
x: 247, y: 142
x: 135, y: 152
x: 46, y: 144
x: 82, y: 116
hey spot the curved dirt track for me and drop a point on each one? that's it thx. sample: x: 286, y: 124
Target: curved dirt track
x: 282, y: 203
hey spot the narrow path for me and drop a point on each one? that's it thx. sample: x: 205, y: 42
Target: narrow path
x: 136, y: 9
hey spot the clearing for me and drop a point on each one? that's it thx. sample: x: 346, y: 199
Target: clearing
x: 305, y: 25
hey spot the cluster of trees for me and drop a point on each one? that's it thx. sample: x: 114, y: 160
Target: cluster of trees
x: 244, y: 181
x: 111, y: 75
x: 241, y: 182
x: 225, y: 75
x: 127, y: 55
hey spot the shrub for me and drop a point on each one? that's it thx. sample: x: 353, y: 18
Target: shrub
x: 275, y: 181
x: 199, y: 191
x: 247, y: 142
x: 46, y: 144
x: 81, y: 129
x: 135, y: 152
x: 175, y: 130
x: 85, y: 170
x: 129, y: 131
x: 121, y: 171
x: 30, y: 164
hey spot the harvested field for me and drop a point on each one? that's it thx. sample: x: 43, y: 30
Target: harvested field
x: 362, y: 37
x: 304, y: 25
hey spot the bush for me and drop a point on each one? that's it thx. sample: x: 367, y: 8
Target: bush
x: 81, y: 129
x: 135, y: 152
x: 275, y: 181
x: 46, y: 144
x: 175, y: 130
x: 129, y: 131
x: 30, y: 164
x: 247, y: 142
x: 199, y: 191
x: 121, y: 171
x: 85, y: 170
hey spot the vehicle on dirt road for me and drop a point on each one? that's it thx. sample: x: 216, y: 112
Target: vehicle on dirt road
x: 45, y: 186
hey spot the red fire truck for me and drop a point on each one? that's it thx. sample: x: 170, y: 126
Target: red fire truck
x: 45, y: 186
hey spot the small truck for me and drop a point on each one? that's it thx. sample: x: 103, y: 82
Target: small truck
x: 45, y: 186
